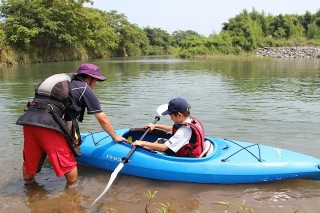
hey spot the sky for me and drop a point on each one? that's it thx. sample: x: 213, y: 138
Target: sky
x: 202, y: 16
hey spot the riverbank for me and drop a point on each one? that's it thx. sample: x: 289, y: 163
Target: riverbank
x: 289, y: 52
x: 8, y: 58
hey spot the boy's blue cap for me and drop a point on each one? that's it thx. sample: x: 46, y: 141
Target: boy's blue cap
x: 177, y: 105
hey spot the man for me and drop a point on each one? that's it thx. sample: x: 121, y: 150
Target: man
x: 188, y: 133
x: 47, y: 122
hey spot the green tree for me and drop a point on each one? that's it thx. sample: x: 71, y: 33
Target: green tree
x: 59, y: 27
x: 21, y: 22
x: 287, y: 26
x: 100, y: 38
x: 245, y: 29
x: 70, y: 25
x: 160, y: 40
x: 132, y: 41
x: 305, y: 20
x: 193, y: 46
x: 222, y: 43
x: 294, y: 27
x: 179, y: 36
x: 2, y: 36
x: 314, y: 31
x: 314, y: 27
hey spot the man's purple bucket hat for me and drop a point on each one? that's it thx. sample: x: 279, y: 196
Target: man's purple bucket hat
x: 91, y: 70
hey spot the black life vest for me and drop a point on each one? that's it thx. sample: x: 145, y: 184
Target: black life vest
x: 196, y: 144
x: 52, y: 97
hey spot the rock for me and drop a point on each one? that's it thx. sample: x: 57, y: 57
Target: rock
x: 289, y: 52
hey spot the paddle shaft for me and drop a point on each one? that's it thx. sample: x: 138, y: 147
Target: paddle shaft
x: 121, y: 165
x: 126, y: 158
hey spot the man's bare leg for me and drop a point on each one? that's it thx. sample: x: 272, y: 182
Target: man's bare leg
x: 28, y: 178
x: 72, y: 177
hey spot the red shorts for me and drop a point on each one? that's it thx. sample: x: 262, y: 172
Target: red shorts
x: 39, y: 142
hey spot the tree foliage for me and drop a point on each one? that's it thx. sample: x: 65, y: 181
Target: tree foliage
x: 132, y: 41
x: 2, y: 36
x: 160, y: 41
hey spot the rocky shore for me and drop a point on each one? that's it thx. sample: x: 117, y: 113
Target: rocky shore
x: 289, y: 52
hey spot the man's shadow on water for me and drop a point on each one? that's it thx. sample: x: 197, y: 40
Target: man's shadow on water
x: 35, y: 192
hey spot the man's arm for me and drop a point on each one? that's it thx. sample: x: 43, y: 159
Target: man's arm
x: 107, y: 126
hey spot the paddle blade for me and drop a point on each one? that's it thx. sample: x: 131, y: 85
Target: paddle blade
x: 162, y: 108
x: 112, y: 178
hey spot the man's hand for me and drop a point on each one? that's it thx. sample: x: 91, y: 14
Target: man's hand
x: 118, y: 138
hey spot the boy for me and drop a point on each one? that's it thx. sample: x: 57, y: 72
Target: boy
x: 188, y: 132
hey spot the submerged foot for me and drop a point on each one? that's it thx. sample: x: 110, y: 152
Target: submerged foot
x: 29, y: 181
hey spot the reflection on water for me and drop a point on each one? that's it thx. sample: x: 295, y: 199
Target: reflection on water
x: 273, y: 102
x: 40, y: 200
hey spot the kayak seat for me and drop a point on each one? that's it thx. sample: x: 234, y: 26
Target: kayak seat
x: 208, y: 149
x: 136, y: 133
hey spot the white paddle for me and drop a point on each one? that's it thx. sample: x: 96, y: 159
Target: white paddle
x: 162, y: 108
x: 124, y: 160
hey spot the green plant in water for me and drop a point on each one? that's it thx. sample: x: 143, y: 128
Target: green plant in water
x: 159, y: 207
x: 228, y: 204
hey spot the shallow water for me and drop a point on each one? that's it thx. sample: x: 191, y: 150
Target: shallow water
x: 272, y: 102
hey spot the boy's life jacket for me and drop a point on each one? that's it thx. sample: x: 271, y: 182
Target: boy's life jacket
x: 52, y: 106
x: 196, y: 144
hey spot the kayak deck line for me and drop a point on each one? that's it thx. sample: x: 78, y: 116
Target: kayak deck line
x: 94, y: 142
x: 242, y: 149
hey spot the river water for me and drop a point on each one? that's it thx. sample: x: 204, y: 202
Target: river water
x: 272, y: 102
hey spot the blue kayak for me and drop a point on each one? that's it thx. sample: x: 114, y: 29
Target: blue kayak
x: 223, y: 161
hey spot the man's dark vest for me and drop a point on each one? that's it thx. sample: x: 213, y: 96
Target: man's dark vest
x: 54, y: 104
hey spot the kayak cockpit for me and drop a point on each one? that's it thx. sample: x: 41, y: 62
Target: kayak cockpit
x: 135, y: 134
